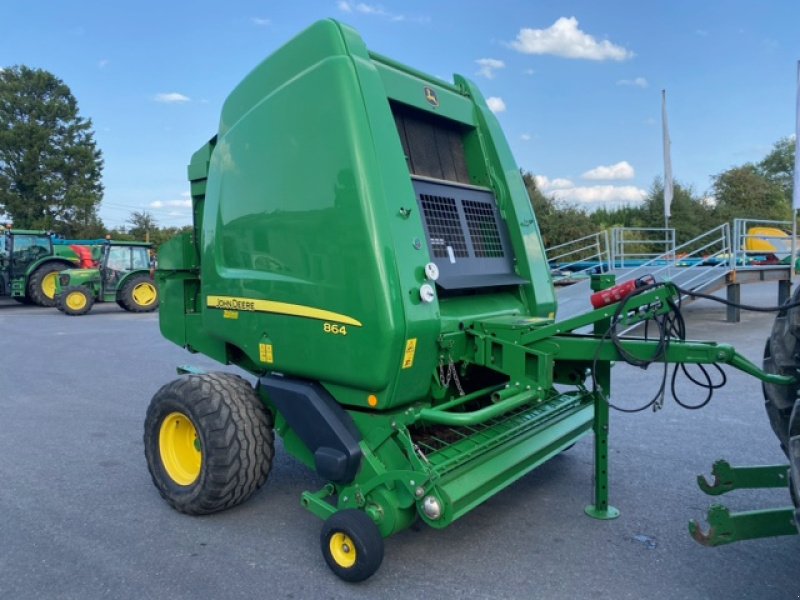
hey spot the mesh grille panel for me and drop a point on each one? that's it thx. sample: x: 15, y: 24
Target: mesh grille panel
x: 483, y: 229
x: 444, y: 226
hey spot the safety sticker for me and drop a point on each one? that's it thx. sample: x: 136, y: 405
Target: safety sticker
x: 265, y: 353
x: 408, y: 356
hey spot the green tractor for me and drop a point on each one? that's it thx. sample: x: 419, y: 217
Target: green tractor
x: 121, y: 272
x: 30, y: 260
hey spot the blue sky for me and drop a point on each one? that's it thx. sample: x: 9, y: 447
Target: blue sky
x: 576, y: 85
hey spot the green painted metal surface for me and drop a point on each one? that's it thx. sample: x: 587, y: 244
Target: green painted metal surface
x: 308, y: 257
x: 726, y: 527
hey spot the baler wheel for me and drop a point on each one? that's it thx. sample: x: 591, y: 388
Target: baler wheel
x: 42, y: 284
x: 139, y: 294
x: 352, y: 545
x: 75, y: 300
x: 208, y: 441
x: 782, y: 356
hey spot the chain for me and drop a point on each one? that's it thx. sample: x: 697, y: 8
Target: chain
x: 450, y: 376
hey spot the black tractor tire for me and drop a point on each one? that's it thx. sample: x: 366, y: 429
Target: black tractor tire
x: 37, y: 291
x: 352, y: 545
x: 793, y: 450
x: 782, y: 357
x: 139, y: 294
x: 209, y: 442
x: 75, y: 300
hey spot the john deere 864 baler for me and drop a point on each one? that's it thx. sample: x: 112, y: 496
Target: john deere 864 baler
x: 365, y: 247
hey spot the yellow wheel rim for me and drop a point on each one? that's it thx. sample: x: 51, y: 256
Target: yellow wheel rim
x: 49, y: 285
x: 76, y: 300
x: 180, y: 449
x: 144, y: 294
x: 343, y: 550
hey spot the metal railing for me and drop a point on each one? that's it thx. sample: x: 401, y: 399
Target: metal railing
x: 693, y: 265
x: 579, y: 258
x: 632, y: 245
x: 785, y: 245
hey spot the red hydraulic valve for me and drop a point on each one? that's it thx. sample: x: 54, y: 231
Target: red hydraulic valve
x: 618, y: 292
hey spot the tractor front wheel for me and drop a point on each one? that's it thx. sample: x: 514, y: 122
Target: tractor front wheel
x: 75, y: 300
x: 139, y: 294
x: 42, y: 284
x: 352, y: 545
x: 208, y: 441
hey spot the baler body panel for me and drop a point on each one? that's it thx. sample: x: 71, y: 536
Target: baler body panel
x: 312, y: 243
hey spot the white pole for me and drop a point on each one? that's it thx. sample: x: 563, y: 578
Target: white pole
x: 667, y: 160
x: 796, y: 191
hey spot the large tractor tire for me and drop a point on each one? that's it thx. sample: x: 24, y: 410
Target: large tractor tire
x: 208, y: 441
x: 139, y: 294
x: 42, y: 284
x: 782, y: 357
x: 75, y: 300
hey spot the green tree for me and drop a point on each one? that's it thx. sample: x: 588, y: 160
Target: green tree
x: 50, y: 167
x: 559, y: 222
x: 143, y: 225
x: 689, y: 215
x: 778, y: 166
x: 743, y: 192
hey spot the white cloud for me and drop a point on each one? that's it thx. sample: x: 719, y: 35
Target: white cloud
x: 529, y: 71
x: 545, y: 184
x: 496, y: 105
x: 637, y: 82
x: 260, y: 21
x: 563, y: 38
x: 102, y: 63
x: 488, y: 66
x: 525, y: 137
x: 187, y: 203
x: 607, y: 195
x: 377, y: 10
x: 171, y: 98
x: 621, y: 170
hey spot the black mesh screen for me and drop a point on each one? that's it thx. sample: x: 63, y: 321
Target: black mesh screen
x: 444, y: 226
x: 483, y: 229
x: 467, y: 237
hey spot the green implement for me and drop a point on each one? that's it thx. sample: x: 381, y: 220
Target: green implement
x: 364, y: 247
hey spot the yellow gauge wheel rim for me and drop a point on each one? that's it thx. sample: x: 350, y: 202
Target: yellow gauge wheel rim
x: 49, y: 285
x: 343, y: 550
x: 76, y: 300
x: 144, y: 293
x: 180, y: 449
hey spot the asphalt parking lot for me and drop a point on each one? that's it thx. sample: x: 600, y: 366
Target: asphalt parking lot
x: 80, y: 518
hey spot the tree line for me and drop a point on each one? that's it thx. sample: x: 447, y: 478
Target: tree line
x: 50, y: 165
x: 761, y: 190
x: 51, y: 178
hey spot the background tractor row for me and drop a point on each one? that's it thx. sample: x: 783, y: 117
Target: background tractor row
x: 120, y: 272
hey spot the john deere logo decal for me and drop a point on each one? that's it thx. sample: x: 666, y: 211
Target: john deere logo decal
x: 430, y: 96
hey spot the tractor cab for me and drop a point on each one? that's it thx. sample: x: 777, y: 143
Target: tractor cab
x: 117, y: 262
x: 25, y: 248
x: 122, y: 274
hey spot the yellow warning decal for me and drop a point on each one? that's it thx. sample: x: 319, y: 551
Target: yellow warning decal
x: 265, y: 353
x: 232, y: 303
x: 230, y: 314
x: 408, y: 356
